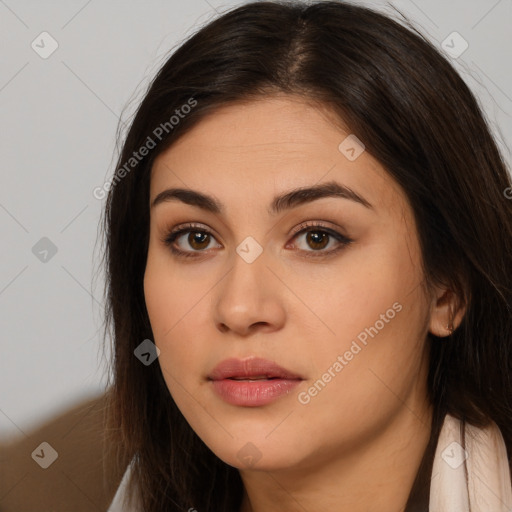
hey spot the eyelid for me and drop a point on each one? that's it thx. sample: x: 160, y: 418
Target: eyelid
x: 190, y: 226
x: 310, y: 226
x: 170, y: 236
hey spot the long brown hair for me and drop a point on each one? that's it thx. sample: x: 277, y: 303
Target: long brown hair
x: 417, y: 117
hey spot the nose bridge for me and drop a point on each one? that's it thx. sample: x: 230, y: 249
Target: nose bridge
x: 244, y: 286
x: 249, y: 262
x: 246, y: 295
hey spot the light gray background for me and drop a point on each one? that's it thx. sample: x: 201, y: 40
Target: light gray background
x: 58, y: 123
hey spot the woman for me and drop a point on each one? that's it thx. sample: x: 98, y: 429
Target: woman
x: 308, y: 259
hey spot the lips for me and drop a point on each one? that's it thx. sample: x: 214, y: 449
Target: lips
x: 251, y: 369
x: 252, y: 382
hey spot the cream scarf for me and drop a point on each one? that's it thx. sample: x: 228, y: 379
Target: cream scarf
x: 479, y: 453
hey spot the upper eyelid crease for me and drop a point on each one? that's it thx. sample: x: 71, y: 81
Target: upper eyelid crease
x: 286, y: 201
x: 303, y: 228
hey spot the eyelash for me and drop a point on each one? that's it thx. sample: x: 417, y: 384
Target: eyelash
x: 304, y: 227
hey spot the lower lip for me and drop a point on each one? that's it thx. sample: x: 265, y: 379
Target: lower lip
x: 255, y: 393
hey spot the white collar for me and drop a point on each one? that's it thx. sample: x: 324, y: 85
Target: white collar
x: 482, y: 456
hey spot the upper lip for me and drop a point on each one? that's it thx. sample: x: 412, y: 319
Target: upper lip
x: 250, y: 367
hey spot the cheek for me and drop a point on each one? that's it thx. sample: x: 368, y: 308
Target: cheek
x: 174, y: 318
x: 346, y: 297
x: 172, y: 307
x: 358, y: 387
x: 169, y: 295
x: 376, y: 315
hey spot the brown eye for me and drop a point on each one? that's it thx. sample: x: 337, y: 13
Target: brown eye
x: 191, y: 241
x: 317, y: 239
x: 198, y: 240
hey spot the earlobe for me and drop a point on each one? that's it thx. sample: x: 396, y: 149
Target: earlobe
x: 446, y: 314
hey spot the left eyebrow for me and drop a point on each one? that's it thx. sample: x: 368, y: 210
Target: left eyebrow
x: 280, y: 203
x: 308, y: 194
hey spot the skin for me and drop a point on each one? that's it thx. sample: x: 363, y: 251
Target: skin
x: 357, y: 445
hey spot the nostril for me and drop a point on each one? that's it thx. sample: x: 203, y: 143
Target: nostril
x: 223, y: 327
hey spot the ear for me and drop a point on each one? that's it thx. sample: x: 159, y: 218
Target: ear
x: 447, y: 312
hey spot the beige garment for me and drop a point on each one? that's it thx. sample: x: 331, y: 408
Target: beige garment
x: 118, y: 503
x: 482, y: 456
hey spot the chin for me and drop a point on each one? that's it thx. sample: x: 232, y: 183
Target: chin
x: 257, y: 453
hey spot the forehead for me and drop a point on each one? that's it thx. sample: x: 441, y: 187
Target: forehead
x: 264, y: 126
x: 267, y: 146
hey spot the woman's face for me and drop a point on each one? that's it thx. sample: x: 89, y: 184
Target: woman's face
x: 341, y: 307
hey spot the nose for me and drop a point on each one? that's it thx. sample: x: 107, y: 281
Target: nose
x: 249, y: 299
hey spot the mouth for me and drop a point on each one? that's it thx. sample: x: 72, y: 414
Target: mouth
x: 253, y: 368
x: 252, y: 382
x: 253, y: 379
